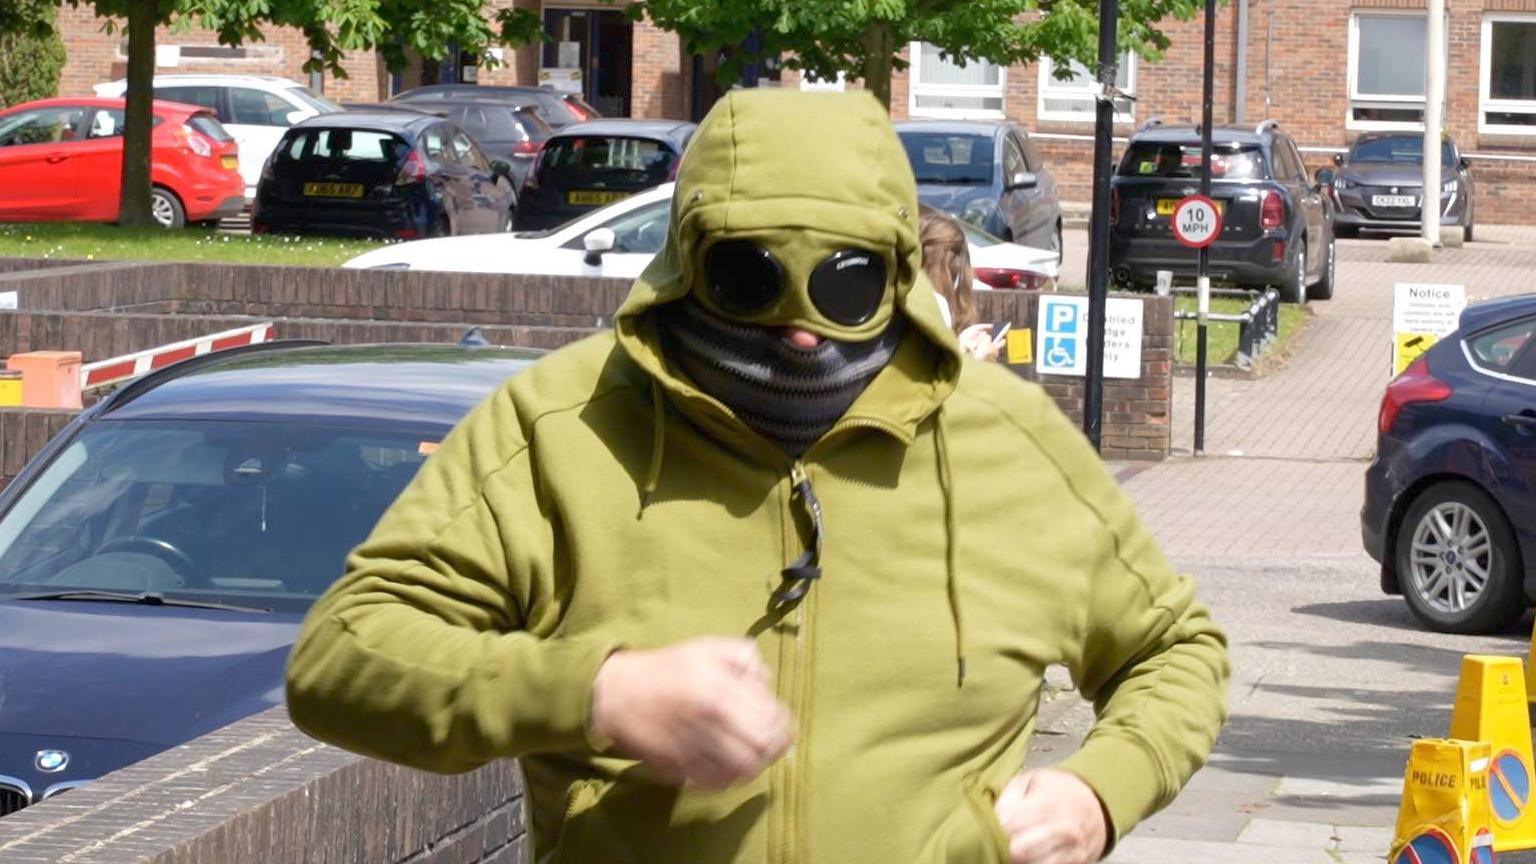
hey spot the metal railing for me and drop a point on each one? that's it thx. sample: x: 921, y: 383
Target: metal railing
x: 1257, y: 328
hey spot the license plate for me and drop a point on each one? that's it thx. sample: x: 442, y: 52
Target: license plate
x: 1394, y: 201
x: 230, y: 162
x: 590, y: 197
x: 333, y: 190
x: 1166, y: 206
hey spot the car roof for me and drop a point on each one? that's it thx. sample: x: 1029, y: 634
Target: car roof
x: 1189, y: 133
x: 220, y: 78
x: 1405, y: 133
x: 387, y: 120
x: 676, y: 131
x: 973, y: 127
x: 1490, y: 312
x: 370, y: 385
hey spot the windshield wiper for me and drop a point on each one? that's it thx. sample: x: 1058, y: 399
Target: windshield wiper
x: 147, y: 598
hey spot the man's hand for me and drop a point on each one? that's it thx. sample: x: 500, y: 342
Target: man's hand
x: 701, y: 712
x: 1051, y: 817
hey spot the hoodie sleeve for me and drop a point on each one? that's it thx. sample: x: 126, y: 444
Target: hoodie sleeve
x: 425, y: 651
x: 1147, y: 654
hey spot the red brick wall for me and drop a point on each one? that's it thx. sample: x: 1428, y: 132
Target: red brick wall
x: 657, y: 83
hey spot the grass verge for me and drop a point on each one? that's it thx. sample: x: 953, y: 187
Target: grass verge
x: 108, y: 242
x: 1221, y: 336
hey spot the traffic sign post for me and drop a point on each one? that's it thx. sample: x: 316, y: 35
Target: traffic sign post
x: 1197, y: 223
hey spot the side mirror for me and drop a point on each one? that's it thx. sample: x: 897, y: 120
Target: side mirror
x: 1338, y: 159
x: 1325, y: 176
x: 1022, y: 180
x: 1463, y: 163
x: 295, y: 117
x: 597, y: 241
x: 500, y: 168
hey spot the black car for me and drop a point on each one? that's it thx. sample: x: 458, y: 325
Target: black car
x: 157, y: 557
x: 506, y: 131
x: 1277, y: 224
x: 585, y: 166
x: 1380, y: 184
x: 391, y: 174
x: 988, y: 174
x: 559, y: 109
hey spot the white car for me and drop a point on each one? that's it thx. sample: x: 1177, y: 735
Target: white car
x: 621, y: 239
x: 256, y: 109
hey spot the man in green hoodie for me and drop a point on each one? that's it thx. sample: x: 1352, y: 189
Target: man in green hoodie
x: 771, y: 572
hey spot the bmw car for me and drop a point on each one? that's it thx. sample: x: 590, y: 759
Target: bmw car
x: 157, y: 557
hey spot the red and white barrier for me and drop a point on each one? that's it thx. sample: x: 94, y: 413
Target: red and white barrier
x: 104, y: 372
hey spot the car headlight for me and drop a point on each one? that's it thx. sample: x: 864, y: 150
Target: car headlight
x: 1448, y: 187
x: 1344, y: 183
x: 978, y: 211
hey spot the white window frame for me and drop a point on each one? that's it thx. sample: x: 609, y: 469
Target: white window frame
x: 1485, y: 102
x: 1050, y: 88
x: 916, y: 88
x: 1373, y: 101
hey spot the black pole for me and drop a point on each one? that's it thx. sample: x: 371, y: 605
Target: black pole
x: 1202, y: 272
x: 1098, y: 235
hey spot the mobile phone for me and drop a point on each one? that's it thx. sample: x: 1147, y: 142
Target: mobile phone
x: 1000, y: 331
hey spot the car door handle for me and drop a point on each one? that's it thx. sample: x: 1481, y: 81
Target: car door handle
x: 1525, y: 420
x: 56, y: 159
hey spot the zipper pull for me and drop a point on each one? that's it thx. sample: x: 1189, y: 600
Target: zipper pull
x: 799, y: 576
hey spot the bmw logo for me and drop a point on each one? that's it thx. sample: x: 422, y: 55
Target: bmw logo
x: 51, y: 761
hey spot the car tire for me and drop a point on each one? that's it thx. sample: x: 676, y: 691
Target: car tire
x: 165, y: 208
x: 1500, y: 601
x: 1293, y: 287
x: 1323, y: 289
x: 1466, y: 236
x: 1346, y: 231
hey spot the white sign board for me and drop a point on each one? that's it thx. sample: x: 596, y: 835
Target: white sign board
x: 561, y: 80
x: 1062, y: 336
x: 569, y: 55
x: 1421, y: 315
x: 8, y: 299
x: 808, y: 83
x: 167, y: 56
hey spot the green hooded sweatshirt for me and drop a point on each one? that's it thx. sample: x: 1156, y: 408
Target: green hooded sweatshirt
x: 598, y: 500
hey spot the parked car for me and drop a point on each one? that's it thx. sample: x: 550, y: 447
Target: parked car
x: 585, y: 166
x: 1277, y: 224
x: 1380, y: 184
x: 621, y: 239
x: 62, y: 160
x: 504, y: 130
x: 989, y: 174
x: 396, y: 174
x: 157, y: 557
x: 256, y: 109
x: 559, y: 109
x: 1450, y: 497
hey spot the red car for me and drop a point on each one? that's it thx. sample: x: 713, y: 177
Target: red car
x: 61, y: 160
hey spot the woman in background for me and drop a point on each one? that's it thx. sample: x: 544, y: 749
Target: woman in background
x: 947, y: 261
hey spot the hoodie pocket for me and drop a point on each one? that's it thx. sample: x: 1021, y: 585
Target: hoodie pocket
x: 580, y: 800
x: 971, y: 834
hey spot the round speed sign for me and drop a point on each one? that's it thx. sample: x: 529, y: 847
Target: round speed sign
x: 1196, y: 221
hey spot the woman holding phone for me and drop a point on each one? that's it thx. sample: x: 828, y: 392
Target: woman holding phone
x: 947, y: 261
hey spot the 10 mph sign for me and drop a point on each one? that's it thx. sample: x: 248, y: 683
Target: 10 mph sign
x: 1196, y: 221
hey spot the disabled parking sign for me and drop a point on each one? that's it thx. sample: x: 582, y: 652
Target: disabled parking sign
x: 1062, y: 336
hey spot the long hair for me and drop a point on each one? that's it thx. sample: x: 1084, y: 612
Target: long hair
x: 947, y: 261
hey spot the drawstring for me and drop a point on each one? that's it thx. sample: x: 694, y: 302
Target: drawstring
x: 658, y: 444
x: 951, y: 541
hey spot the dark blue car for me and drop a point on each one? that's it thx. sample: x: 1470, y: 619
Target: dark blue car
x: 1450, y: 499
x: 157, y: 557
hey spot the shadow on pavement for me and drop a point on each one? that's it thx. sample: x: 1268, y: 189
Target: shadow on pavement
x: 1393, y: 612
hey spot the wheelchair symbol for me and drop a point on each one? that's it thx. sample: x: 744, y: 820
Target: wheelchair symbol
x: 1060, y: 352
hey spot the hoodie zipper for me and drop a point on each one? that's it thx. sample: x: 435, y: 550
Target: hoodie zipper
x: 793, y: 684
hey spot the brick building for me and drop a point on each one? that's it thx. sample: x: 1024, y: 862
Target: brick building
x: 1325, y: 69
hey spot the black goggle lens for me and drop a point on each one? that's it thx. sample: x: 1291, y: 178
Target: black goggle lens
x: 743, y: 277
x: 849, y: 286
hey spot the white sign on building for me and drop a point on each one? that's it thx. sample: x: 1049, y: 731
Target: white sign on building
x: 1062, y: 336
x: 1422, y: 314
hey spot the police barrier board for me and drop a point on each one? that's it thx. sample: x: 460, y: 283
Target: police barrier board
x: 1444, y: 816
x: 1491, y: 707
x: 1062, y: 326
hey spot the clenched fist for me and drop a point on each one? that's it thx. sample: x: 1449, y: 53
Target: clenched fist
x: 700, y: 713
x: 1051, y: 817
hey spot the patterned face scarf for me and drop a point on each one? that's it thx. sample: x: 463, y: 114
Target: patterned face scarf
x: 787, y: 395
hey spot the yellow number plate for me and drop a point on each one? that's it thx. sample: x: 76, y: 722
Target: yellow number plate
x: 334, y: 190
x: 230, y: 162
x: 1165, y: 206
x: 589, y: 197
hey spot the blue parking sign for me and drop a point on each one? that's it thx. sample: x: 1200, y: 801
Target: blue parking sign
x: 1060, y: 350
x: 1061, y: 317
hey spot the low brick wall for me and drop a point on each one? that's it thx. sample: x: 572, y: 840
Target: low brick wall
x: 261, y: 792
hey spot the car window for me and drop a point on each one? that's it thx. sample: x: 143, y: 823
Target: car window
x: 1301, y: 162
x: 643, y: 230
x: 472, y: 119
x: 258, y: 108
x: 1396, y: 148
x: 469, y: 153
x: 1497, y: 350
x: 151, y: 506
x: 597, y: 158
x: 533, y: 124
x: 1033, y: 158
x: 207, y: 97
x: 1159, y: 159
x: 434, y: 142
x: 41, y: 126
x: 209, y: 125
x: 940, y: 157
x: 1013, y: 158
x: 106, y: 123
x: 1286, y: 168
x: 343, y: 145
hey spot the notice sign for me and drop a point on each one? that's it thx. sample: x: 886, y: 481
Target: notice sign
x: 8, y: 299
x: 1062, y: 325
x: 1421, y: 315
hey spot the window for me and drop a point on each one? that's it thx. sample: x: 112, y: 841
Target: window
x: 467, y: 154
x: 1072, y: 98
x: 957, y: 158
x: 642, y: 230
x: 943, y: 88
x: 1228, y: 162
x: 42, y: 126
x: 207, y: 97
x: 1508, y: 94
x: 435, y: 144
x: 1288, y: 163
x: 1013, y: 160
x: 106, y: 123
x: 1497, y: 350
x: 258, y: 108
x: 592, y: 159
x: 1387, y: 70
x: 345, y: 145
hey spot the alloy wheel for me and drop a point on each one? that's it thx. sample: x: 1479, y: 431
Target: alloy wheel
x: 1451, y: 558
x: 161, y: 209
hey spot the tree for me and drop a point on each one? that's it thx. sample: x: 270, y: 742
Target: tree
x: 31, y: 53
x: 863, y: 38
x: 332, y: 28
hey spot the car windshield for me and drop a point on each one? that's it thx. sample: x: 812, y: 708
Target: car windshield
x: 315, y: 100
x: 1228, y: 162
x: 254, y: 514
x: 1405, y: 149
x: 950, y: 158
x: 601, y: 158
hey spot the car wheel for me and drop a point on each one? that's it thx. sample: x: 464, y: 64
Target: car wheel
x: 166, y: 208
x: 1346, y: 231
x: 1323, y: 290
x: 1457, y: 561
x: 1467, y: 235
x: 1293, y: 288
